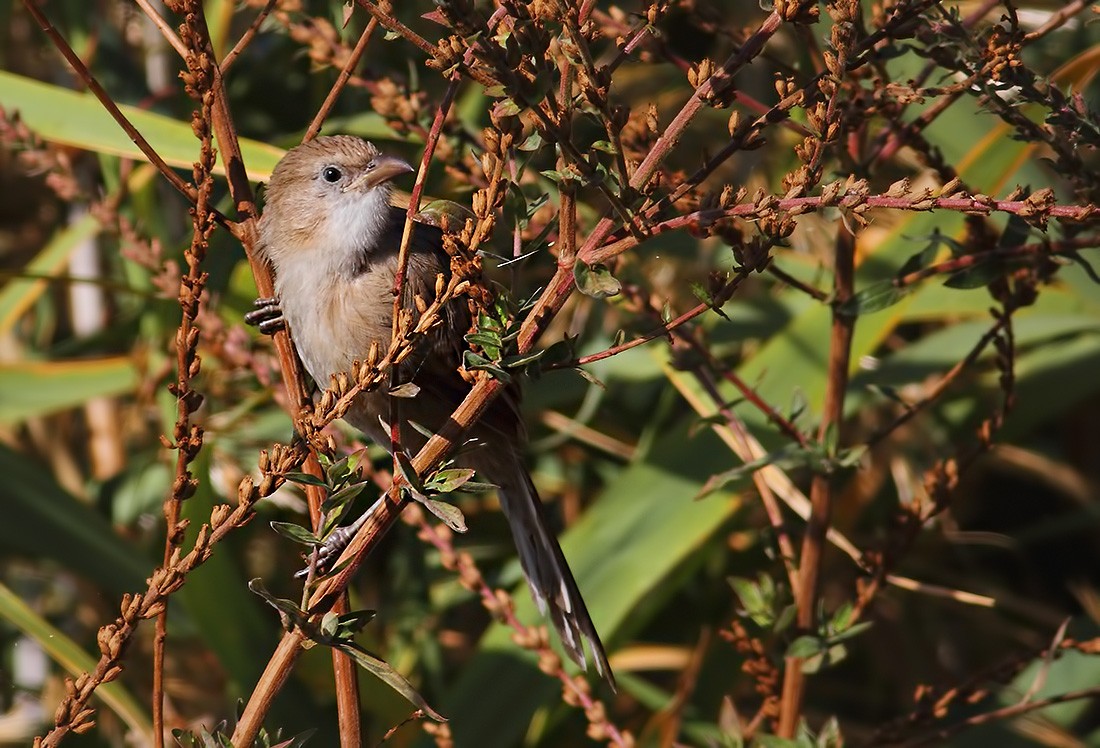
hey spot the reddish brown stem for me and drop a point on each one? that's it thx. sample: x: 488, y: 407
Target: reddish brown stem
x: 821, y: 497
x: 247, y: 37
x: 105, y: 99
x: 341, y: 81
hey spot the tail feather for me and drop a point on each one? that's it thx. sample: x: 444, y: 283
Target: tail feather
x: 548, y: 576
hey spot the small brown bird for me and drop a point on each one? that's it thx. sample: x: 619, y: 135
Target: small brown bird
x: 333, y: 236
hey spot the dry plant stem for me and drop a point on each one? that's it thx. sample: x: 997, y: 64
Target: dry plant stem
x: 415, y: 716
x: 1036, y: 209
x: 942, y: 385
x: 418, y: 186
x: 293, y: 379
x: 105, y: 99
x: 663, y: 331
x: 247, y: 37
x: 898, y: 132
x: 740, y: 441
x: 165, y: 28
x: 344, y: 670
x: 1057, y: 19
x: 429, y: 458
x: 671, y: 136
x: 939, y: 736
x: 499, y: 603
x: 386, y: 514
x: 793, y: 282
x: 771, y: 506
x: 243, y: 199
x: 270, y: 683
x: 403, y: 251
x: 74, y: 714
x: 1024, y: 250
x: 341, y: 81
x: 393, y: 24
x: 813, y: 543
x: 187, y: 438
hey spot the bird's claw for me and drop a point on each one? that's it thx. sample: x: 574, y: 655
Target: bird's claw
x: 267, y: 316
x: 325, y: 555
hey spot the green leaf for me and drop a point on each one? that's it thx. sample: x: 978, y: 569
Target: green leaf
x: 874, y: 298
x: 625, y: 551
x: 804, y: 647
x: 842, y: 617
x: 472, y: 360
x: 445, y: 214
x: 19, y: 294
x: 305, y: 479
x: 344, y: 496
x: 289, y: 611
x: 336, y: 507
x: 74, y: 660
x: 382, y: 670
x: 87, y: 125
x: 42, y: 520
x: 532, y: 143
x: 505, y: 108
x: 408, y: 472
x: 596, y: 281
x: 785, y: 618
x: 851, y: 631
x: 446, y: 481
x: 450, y: 514
x: 515, y: 362
x: 342, y: 468
x: 921, y: 259
x: 787, y: 457
x: 38, y: 388
x: 476, y: 487
x: 490, y: 341
x: 355, y: 621
x: 296, y: 533
x: 978, y: 276
x: 831, y: 656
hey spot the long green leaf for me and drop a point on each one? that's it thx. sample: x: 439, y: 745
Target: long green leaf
x: 622, y: 551
x: 37, y: 388
x: 86, y: 124
x: 41, y: 519
x: 19, y: 294
x: 75, y: 661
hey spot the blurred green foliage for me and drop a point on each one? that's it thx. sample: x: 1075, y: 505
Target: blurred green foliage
x: 88, y: 317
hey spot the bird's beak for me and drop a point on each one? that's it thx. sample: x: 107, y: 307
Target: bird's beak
x: 382, y: 169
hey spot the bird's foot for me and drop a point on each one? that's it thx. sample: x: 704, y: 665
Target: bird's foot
x: 267, y: 316
x: 325, y: 555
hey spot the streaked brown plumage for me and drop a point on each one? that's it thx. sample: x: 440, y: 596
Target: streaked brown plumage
x: 332, y: 236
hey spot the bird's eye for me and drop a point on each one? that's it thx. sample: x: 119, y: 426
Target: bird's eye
x: 371, y: 165
x: 331, y: 174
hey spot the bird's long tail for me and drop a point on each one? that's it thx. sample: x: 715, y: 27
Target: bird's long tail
x: 548, y: 575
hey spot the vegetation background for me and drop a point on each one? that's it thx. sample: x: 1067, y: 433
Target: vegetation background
x: 862, y: 251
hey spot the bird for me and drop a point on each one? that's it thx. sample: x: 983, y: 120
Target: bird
x: 332, y: 236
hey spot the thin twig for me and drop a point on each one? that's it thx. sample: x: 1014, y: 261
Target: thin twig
x: 164, y: 27
x: 247, y: 37
x: 105, y: 99
x: 938, y: 737
x: 821, y: 491
x: 341, y: 81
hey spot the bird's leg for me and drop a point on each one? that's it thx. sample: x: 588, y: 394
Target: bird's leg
x: 267, y: 316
